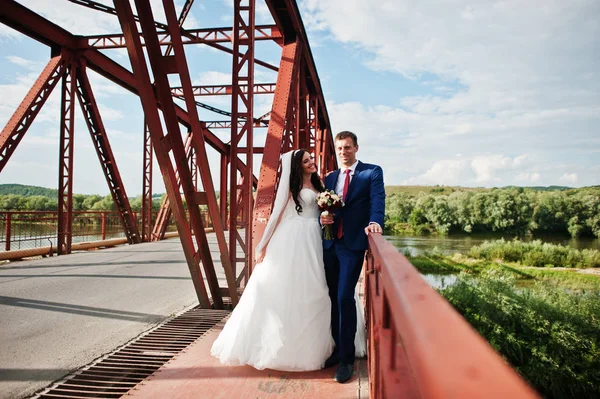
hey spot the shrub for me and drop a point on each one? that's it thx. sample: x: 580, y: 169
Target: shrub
x: 536, y: 253
x: 551, y: 336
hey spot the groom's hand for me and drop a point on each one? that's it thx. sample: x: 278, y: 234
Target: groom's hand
x: 326, y: 219
x: 373, y: 228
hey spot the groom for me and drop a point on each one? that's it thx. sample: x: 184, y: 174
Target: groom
x: 361, y: 186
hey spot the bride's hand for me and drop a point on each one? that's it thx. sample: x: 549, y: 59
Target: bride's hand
x: 259, y: 256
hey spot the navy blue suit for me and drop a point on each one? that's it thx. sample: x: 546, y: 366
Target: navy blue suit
x: 343, y: 258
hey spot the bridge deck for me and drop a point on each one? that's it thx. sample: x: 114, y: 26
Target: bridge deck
x: 195, y: 374
x: 60, y: 313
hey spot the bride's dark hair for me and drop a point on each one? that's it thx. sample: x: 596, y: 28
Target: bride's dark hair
x: 296, y: 178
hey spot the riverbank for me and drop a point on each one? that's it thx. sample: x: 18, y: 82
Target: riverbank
x: 545, y: 321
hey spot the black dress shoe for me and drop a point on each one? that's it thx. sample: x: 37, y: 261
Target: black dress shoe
x: 332, y: 360
x: 344, y: 373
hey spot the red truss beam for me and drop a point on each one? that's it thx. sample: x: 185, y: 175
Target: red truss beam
x: 302, y: 112
x: 65, y: 165
x: 225, y: 90
x: 242, y: 110
x: 160, y: 226
x: 290, y: 62
x: 147, y: 186
x: 27, y: 22
x: 228, y: 124
x: 190, y: 36
x: 180, y: 32
x: 25, y: 114
x: 163, y: 146
x: 287, y: 18
x: 223, y: 188
x: 105, y: 155
x: 180, y: 66
x: 187, y: 7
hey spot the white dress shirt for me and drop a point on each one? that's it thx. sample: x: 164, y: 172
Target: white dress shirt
x: 339, y: 185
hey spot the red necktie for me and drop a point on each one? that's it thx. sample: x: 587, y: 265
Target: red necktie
x: 340, y: 231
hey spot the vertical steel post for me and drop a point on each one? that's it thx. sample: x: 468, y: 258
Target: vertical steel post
x: 103, y: 225
x: 290, y: 60
x: 223, y: 190
x: 8, y: 231
x: 65, y: 165
x: 242, y: 123
x: 147, y: 186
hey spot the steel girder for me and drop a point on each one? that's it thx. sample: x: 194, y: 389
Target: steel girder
x: 298, y: 117
x: 162, y: 221
x: 25, y: 114
x: 225, y: 90
x: 105, y: 155
x: 191, y: 36
x: 265, y: 195
x: 65, y: 164
x: 198, y: 143
x: 242, y: 111
x: 163, y: 145
x: 147, y: 186
x: 164, y: 39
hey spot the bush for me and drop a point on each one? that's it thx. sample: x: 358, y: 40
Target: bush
x: 551, y: 336
x: 536, y: 253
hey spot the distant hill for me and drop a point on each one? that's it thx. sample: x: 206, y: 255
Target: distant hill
x: 549, y: 188
x: 414, y: 190
x: 28, y: 191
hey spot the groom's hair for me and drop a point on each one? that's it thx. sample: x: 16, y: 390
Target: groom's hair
x: 345, y: 134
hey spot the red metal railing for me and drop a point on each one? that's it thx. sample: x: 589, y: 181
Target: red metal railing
x: 20, y: 230
x: 419, y: 346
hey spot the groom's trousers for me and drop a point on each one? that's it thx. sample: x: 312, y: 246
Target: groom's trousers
x: 342, y: 271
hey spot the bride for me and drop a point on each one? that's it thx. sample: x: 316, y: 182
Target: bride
x: 283, y: 319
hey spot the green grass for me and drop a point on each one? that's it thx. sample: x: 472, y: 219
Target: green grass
x: 545, y: 321
x: 536, y: 253
x: 525, y: 276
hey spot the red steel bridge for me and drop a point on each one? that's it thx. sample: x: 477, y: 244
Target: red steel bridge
x: 418, y: 345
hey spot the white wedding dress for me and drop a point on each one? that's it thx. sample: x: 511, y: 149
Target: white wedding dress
x: 283, y: 319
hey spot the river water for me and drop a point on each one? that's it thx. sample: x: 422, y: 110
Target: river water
x: 417, y: 245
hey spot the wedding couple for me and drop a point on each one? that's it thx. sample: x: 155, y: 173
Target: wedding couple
x: 299, y: 310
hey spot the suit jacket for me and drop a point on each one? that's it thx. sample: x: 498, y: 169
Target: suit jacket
x: 364, y: 203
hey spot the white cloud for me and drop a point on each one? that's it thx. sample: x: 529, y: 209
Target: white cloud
x: 446, y: 171
x: 525, y: 78
x: 486, y: 166
x: 528, y: 177
x: 570, y: 178
x: 213, y: 78
x: 22, y: 62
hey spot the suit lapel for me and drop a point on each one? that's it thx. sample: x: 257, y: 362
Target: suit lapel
x: 333, y: 178
x: 353, y: 182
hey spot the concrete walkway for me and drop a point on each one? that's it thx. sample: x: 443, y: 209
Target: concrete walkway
x: 58, y: 314
x: 195, y: 374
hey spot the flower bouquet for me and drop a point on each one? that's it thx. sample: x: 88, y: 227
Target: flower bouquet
x: 328, y: 201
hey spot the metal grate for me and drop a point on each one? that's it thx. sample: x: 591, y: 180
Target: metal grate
x: 117, y: 373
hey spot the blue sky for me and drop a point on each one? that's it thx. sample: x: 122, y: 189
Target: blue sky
x: 472, y: 93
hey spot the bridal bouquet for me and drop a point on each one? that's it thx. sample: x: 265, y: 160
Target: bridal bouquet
x: 328, y: 201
